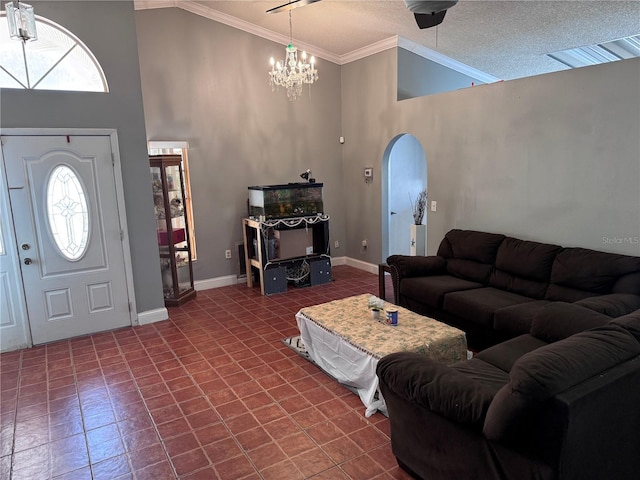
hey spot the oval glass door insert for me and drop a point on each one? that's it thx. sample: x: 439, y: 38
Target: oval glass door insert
x: 67, y: 212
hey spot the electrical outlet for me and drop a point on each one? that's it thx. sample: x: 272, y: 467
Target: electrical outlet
x: 336, y: 244
x: 434, y: 205
x: 309, y: 250
x: 227, y: 254
x: 364, y: 243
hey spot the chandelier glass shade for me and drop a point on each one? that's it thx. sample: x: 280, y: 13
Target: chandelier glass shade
x: 292, y: 73
x: 22, y: 21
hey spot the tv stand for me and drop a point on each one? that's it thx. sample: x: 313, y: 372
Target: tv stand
x: 271, y: 246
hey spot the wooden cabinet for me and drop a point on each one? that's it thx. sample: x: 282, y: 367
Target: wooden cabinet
x: 274, y: 247
x: 172, y: 229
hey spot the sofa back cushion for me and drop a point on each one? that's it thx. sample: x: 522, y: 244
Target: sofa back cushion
x: 558, y: 320
x: 470, y: 254
x: 613, y: 304
x: 524, y: 267
x: 539, y: 375
x: 579, y: 273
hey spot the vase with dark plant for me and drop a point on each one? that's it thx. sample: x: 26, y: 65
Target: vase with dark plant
x: 418, y: 229
x: 419, y: 207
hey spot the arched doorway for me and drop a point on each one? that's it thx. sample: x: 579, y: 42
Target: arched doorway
x: 404, y: 172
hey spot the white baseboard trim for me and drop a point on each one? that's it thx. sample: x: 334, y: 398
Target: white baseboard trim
x: 218, y: 282
x: 360, y: 265
x: 152, y: 316
x: 338, y: 261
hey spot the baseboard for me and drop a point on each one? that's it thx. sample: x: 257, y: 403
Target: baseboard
x: 360, y: 265
x: 338, y: 261
x: 152, y: 316
x: 218, y: 282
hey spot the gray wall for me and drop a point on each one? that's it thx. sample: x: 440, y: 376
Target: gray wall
x: 207, y: 83
x: 108, y: 29
x: 553, y: 158
x: 418, y: 76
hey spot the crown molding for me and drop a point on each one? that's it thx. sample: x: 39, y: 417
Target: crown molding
x: 149, y: 4
x: 371, y: 49
x: 377, y: 47
x: 445, y: 61
x: 234, y: 22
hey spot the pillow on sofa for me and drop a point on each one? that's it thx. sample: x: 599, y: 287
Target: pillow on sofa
x: 542, y: 373
x: 434, y: 386
x: 558, y: 320
x: 613, y: 305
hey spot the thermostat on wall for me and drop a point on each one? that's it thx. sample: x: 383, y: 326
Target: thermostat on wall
x: 368, y: 174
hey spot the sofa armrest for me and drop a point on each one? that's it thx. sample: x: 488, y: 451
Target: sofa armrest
x: 410, y: 266
x: 435, y: 387
x: 405, y: 266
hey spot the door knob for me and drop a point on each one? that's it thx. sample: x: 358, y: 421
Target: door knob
x: 26, y: 246
x: 28, y: 261
x: 393, y: 213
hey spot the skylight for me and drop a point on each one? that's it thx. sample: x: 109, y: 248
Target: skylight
x: 628, y: 47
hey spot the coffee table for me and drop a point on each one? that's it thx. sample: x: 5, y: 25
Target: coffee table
x: 344, y: 340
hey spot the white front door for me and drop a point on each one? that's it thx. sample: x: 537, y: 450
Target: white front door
x: 13, y: 316
x: 65, y: 214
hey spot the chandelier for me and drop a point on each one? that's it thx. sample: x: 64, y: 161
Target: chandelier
x: 292, y: 73
x: 21, y: 20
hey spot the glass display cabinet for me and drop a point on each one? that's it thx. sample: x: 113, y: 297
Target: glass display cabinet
x: 172, y: 229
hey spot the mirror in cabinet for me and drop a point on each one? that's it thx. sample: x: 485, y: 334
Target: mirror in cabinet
x: 172, y: 228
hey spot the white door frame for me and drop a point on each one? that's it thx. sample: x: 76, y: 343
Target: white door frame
x: 117, y: 169
x: 386, y: 180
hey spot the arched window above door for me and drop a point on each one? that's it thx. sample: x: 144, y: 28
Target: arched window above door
x: 58, y: 60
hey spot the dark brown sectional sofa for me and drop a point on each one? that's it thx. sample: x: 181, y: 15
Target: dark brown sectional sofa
x: 548, y: 405
x: 555, y: 396
x: 491, y: 285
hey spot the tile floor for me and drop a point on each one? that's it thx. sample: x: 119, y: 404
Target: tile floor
x: 211, y: 393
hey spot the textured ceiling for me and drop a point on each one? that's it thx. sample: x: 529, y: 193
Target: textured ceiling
x: 505, y: 39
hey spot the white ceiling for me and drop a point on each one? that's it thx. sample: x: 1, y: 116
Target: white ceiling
x: 505, y: 39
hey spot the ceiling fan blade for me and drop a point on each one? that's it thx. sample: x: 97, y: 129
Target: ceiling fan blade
x: 291, y: 5
x: 428, y: 20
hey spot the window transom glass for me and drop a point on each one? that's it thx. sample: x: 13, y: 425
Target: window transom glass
x: 58, y: 60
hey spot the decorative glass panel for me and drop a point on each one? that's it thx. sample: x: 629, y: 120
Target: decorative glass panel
x: 67, y: 212
x: 58, y: 60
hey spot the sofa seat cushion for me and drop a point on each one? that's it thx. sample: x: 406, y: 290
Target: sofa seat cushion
x: 505, y: 354
x: 559, y: 320
x: 480, y: 304
x: 539, y: 375
x: 431, y: 290
x: 613, y: 305
x: 516, y: 319
x: 436, y: 387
